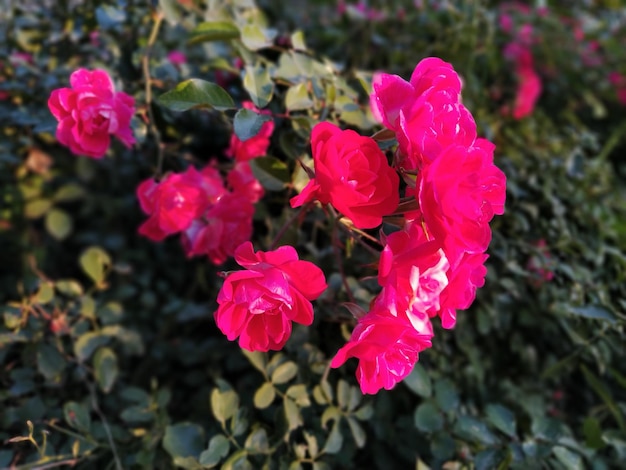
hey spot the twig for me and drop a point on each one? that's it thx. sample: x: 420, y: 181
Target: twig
x: 145, y: 62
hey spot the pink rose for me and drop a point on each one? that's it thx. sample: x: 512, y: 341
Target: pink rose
x: 172, y: 203
x: 352, y: 174
x: 258, y: 305
x: 221, y: 229
x: 91, y: 111
x: 242, y: 181
x: 463, y: 280
x: 177, y: 57
x: 459, y: 193
x: 255, y: 146
x: 387, y: 348
x: 435, y: 121
x: 392, y: 94
x: 412, y: 273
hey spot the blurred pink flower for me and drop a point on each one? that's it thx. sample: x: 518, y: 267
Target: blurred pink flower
x: 177, y: 57
x: 172, y: 203
x: 90, y: 112
x: 257, y: 305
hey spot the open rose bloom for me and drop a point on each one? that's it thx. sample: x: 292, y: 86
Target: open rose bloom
x: 259, y: 304
x: 90, y: 112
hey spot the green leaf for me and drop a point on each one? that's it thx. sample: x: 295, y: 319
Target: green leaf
x: 69, y: 192
x: 593, y: 433
x: 419, y: 382
x: 45, y: 293
x: 298, y: 98
x: 264, y: 396
x: 259, y: 85
x: 488, y: 459
x: 69, y: 287
x: 77, y: 416
x: 254, y: 38
x: 292, y: 413
x: 196, y: 93
x: 36, y: 208
x: 248, y: 123
x: 95, y: 262
x: 218, y: 449
x: 272, y: 173
x: 58, y: 224
x: 595, y: 312
x: 214, y: 31
x: 224, y: 404
x: 502, y: 419
x: 257, y: 441
x: 50, y: 362
x: 428, y: 418
x: 257, y: 359
x: 183, y: 440
x: 343, y: 394
x: 357, y: 432
x: 446, y: 395
x: 473, y: 430
x: 299, y: 394
x: 284, y: 373
x: 170, y: 11
x: 105, y: 368
x: 334, y: 442
x: 87, y: 343
x: 570, y: 459
x: 297, y: 40
x: 443, y: 446
x: 605, y: 395
x: 237, y: 461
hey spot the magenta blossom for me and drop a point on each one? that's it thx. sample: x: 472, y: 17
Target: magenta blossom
x: 387, y: 348
x: 90, y: 112
x: 257, y: 305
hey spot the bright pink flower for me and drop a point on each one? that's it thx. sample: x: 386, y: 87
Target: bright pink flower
x: 91, y: 111
x: 221, y: 229
x: 255, y: 146
x: 459, y: 193
x: 177, y: 57
x: 352, y: 174
x: 242, y: 181
x: 463, y: 280
x: 392, y: 94
x: 412, y: 273
x: 258, y: 305
x: 172, y: 203
x: 387, y: 348
x: 436, y: 121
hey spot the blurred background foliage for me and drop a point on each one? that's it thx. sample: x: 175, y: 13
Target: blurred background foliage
x: 109, y: 356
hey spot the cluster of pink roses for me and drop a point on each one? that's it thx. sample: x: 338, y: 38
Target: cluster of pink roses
x: 519, y: 51
x: 433, y: 266
x: 213, y: 214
